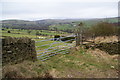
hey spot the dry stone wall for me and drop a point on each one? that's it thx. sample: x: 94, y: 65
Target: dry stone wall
x: 16, y: 50
x: 111, y: 48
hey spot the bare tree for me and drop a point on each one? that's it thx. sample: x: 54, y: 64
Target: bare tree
x: 103, y: 29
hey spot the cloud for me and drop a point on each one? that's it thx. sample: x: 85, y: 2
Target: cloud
x: 59, y: 0
x: 43, y: 9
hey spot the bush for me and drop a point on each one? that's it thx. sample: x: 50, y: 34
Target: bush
x: 9, y: 31
x: 37, y: 33
x: 67, y: 38
x: 56, y: 36
x: 103, y: 29
x: 3, y: 29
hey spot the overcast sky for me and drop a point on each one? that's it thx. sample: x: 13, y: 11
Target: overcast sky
x: 58, y: 9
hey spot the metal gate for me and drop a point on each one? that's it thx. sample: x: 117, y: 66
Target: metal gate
x: 51, y: 48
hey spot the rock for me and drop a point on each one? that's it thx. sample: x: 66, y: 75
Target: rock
x: 112, y: 67
x: 9, y: 51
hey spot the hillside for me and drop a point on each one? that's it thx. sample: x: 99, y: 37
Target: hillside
x: 75, y: 62
x: 60, y: 24
x: 22, y: 24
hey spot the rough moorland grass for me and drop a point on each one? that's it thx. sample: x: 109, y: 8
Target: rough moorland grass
x: 76, y: 64
x: 78, y: 61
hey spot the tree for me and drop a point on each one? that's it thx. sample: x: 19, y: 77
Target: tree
x: 87, y: 33
x: 37, y: 33
x: 56, y: 37
x: 55, y: 29
x: 103, y: 29
x: 3, y: 29
x: 9, y: 31
x: 29, y: 32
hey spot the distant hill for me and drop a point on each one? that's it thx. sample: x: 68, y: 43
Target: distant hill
x: 60, y: 24
x: 22, y: 24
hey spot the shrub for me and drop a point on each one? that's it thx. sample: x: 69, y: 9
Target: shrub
x: 56, y: 36
x: 3, y: 29
x: 9, y: 31
x: 103, y: 29
x: 37, y: 33
x: 67, y: 38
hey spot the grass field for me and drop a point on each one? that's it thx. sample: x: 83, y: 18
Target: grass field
x: 41, y: 45
x: 24, y: 33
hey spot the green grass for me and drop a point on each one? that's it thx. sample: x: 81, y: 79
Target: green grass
x: 22, y: 33
x: 18, y: 35
x: 75, y: 63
